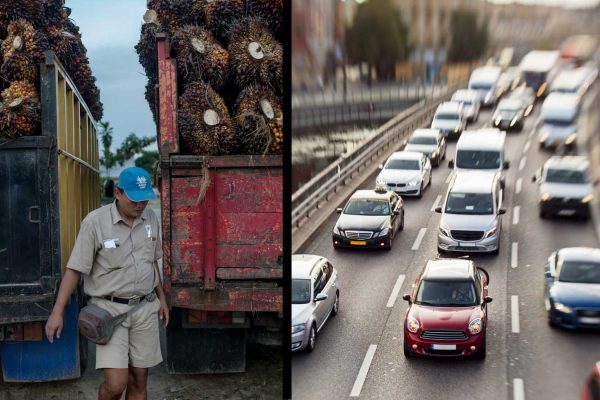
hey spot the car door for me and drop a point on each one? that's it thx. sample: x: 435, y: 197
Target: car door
x: 441, y: 146
x: 330, y: 286
x: 395, y: 219
x: 320, y: 307
x: 426, y: 167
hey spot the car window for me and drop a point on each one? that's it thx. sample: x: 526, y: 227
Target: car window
x: 300, y: 291
x: 478, y: 281
x: 393, y: 201
x: 367, y: 207
x: 579, y: 272
x: 422, y: 140
x: 402, y: 164
x: 318, y: 283
x: 447, y: 294
x: 327, y: 272
x: 556, y: 175
x: 478, y: 159
x: 446, y: 116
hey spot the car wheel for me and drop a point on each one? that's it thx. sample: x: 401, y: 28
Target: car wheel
x: 480, y: 355
x: 389, y: 244
x: 312, y: 339
x: 402, y: 221
x: 430, y: 176
x: 336, y: 305
x: 542, y: 214
x: 497, y: 251
x: 420, y: 191
x: 408, y: 353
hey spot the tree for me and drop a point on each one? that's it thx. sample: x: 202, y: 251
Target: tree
x: 107, y: 160
x: 131, y: 146
x: 469, y: 41
x: 378, y: 37
x: 148, y: 161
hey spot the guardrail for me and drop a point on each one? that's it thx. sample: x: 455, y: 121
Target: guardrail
x: 329, y: 181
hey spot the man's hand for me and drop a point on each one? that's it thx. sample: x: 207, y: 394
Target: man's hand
x: 54, y: 324
x: 163, y: 313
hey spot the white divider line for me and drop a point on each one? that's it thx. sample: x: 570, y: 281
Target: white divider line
x: 419, y: 238
x: 514, y: 255
x: 362, y: 373
x: 436, y: 203
x: 531, y: 132
x: 518, y: 389
x: 527, y: 144
x: 450, y: 176
x: 519, y: 185
x: 514, y: 311
x: 516, y: 212
x: 395, y: 291
x: 522, y: 163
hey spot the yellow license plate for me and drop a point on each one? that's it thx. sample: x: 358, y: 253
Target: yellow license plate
x: 358, y: 243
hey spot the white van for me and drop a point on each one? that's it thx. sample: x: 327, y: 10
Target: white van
x: 573, y: 81
x: 538, y: 70
x: 559, y: 120
x: 485, y: 81
x: 481, y: 149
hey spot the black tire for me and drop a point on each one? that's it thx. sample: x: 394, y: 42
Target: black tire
x: 388, y: 247
x: 312, y: 339
x: 402, y: 222
x: 408, y: 353
x: 542, y: 214
x: 420, y: 192
x: 336, y: 305
x: 430, y: 176
x: 497, y: 251
x: 441, y: 251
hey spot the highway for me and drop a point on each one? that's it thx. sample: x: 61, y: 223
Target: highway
x: 359, y: 351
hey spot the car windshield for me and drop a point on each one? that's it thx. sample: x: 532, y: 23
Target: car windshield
x: 447, y: 294
x: 554, y: 175
x: 446, y: 116
x: 367, y: 207
x: 470, y: 203
x: 558, y: 122
x: 300, y: 291
x: 422, y: 140
x: 402, y: 164
x: 480, y: 86
x: 478, y: 159
x: 579, y: 272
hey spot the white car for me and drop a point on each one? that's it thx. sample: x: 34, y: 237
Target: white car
x: 450, y: 119
x: 406, y: 173
x: 559, y: 121
x: 470, y: 101
x: 430, y: 142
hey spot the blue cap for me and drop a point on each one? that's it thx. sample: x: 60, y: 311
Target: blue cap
x: 136, y: 184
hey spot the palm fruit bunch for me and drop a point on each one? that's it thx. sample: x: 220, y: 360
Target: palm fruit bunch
x: 146, y: 49
x: 30, y: 10
x: 259, y: 118
x: 205, y: 126
x: 20, y: 111
x: 53, y: 12
x: 150, y: 95
x: 221, y: 15
x: 255, y: 56
x: 23, y: 38
x: 174, y: 14
x: 200, y: 56
x: 271, y: 11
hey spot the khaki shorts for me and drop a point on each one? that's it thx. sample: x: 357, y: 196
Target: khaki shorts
x: 135, y: 342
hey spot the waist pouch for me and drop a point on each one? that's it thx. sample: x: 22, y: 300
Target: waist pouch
x: 98, y: 326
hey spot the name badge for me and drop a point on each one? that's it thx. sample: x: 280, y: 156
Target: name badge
x: 111, y: 244
x: 149, y: 231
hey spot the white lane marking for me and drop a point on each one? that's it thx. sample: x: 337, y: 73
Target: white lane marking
x: 519, y: 185
x: 450, y: 176
x: 518, y: 389
x: 522, y: 163
x: 362, y: 373
x: 436, y: 203
x: 531, y: 132
x: 395, y: 291
x: 514, y: 255
x: 514, y: 310
x: 419, y: 238
x: 527, y: 144
x: 516, y: 212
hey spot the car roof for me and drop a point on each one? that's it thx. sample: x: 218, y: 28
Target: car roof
x: 484, y: 139
x: 448, y: 269
x: 485, y: 72
x: 369, y: 194
x: 580, y: 254
x: 473, y: 181
x: 464, y: 93
x: 560, y: 101
x: 449, y: 106
x: 406, y: 155
x: 567, y: 162
x: 302, y: 265
x: 430, y: 132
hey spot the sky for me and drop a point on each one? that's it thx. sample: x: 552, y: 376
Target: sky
x: 110, y: 29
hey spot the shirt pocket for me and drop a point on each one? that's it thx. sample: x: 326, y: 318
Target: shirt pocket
x: 113, y: 258
x: 148, y: 250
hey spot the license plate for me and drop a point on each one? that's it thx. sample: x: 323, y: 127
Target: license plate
x: 443, y: 346
x: 566, y: 212
x: 463, y: 244
x: 358, y: 242
x: 589, y: 320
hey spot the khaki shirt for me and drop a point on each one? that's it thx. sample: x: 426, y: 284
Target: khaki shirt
x: 116, y: 259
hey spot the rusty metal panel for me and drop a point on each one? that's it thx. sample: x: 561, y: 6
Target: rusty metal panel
x: 249, y: 190
x: 32, y: 330
x: 249, y: 273
x: 229, y: 299
x: 249, y: 256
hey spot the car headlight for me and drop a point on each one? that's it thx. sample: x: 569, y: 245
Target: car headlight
x: 546, y: 197
x: 587, y: 198
x: 297, y: 328
x: 337, y: 231
x: 497, y: 120
x: 475, y: 326
x: 563, y: 308
x: 433, y: 154
x: 514, y: 121
x: 414, y: 182
x: 491, y: 232
x: 412, y: 325
x: 383, y: 232
x: 543, y: 136
x: 571, y: 138
x: 444, y: 231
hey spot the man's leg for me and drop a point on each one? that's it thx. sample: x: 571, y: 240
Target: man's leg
x: 136, y: 386
x: 115, y: 381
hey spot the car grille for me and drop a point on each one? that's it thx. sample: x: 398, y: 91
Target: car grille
x: 359, y: 234
x: 443, y: 335
x: 396, y: 184
x: 443, y: 352
x: 564, y: 201
x: 588, y: 313
x: 467, y: 235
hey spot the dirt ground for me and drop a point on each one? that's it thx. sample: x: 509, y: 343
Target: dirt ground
x: 261, y: 381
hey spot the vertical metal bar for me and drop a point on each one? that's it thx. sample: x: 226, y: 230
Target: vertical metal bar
x: 211, y: 233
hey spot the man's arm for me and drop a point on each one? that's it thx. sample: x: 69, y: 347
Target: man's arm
x: 164, y: 307
x: 67, y: 286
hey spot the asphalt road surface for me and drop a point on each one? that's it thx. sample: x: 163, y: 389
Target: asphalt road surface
x: 526, y: 358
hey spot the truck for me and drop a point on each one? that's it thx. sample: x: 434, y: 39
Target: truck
x: 221, y: 220
x: 48, y: 184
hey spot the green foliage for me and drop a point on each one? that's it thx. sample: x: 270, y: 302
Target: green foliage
x: 469, y: 41
x: 148, y: 160
x: 107, y: 160
x: 378, y: 37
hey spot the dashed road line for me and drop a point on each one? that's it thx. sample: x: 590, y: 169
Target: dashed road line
x: 519, y: 185
x: 395, y: 291
x: 527, y: 144
x: 436, y: 203
x: 516, y: 212
x: 518, y: 389
x: 419, y: 238
x: 522, y: 163
x: 514, y: 310
x: 362, y: 373
x: 449, y: 177
x: 514, y: 255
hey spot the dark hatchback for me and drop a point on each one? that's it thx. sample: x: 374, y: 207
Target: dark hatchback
x: 370, y: 219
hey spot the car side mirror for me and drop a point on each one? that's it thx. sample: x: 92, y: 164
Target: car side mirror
x: 380, y: 166
x: 534, y: 179
x: 506, y: 165
x: 407, y: 298
x: 487, y: 299
x: 501, y: 211
x: 321, y: 297
x: 548, y: 274
x: 451, y: 164
x: 338, y: 210
x: 438, y: 210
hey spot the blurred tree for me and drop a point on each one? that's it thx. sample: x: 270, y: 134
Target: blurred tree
x: 131, y: 146
x: 378, y: 37
x: 469, y: 41
x: 148, y: 161
x: 108, y: 159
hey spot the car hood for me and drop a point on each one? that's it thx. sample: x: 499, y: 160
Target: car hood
x: 301, y: 313
x: 423, y: 148
x: 468, y: 222
x: 399, y: 175
x: 451, y: 318
x: 445, y: 124
x: 504, y: 115
x: 576, y: 294
x: 362, y: 222
x: 558, y: 132
x: 577, y: 191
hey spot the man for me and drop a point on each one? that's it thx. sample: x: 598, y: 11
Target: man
x: 116, y: 250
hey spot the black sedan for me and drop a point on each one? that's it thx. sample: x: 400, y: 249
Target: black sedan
x: 509, y: 115
x: 371, y: 218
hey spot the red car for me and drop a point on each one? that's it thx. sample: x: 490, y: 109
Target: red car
x: 591, y: 389
x: 447, y: 312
